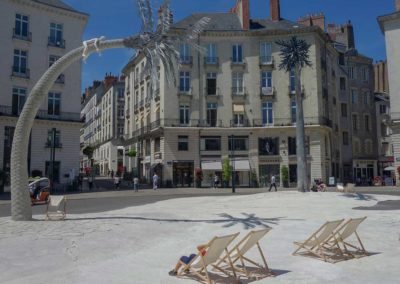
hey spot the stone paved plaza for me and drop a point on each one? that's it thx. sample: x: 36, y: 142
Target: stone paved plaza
x: 141, y: 244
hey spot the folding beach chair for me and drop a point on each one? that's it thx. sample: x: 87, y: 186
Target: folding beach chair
x: 56, y: 208
x: 340, y: 187
x: 343, y: 233
x: 214, y: 250
x: 350, y: 187
x: 316, y: 244
x: 237, y: 253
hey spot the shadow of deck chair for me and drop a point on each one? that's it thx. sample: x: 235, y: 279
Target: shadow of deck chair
x: 215, y: 248
x: 316, y: 245
x: 237, y: 253
x: 343, y: 233
x: 56, y: 207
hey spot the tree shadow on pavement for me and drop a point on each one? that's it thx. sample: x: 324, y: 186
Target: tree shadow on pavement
x: 359, y: 196
x: 248, y: 221
x: 386, y: 205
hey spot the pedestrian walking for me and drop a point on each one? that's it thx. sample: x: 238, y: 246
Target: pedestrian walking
x: 155, y: 181
x: 116, y: 181
x: 112, y: 173
x: 90, y: 182
x: 273, y: 184
x: 216, y: 181
x: 136, y: 184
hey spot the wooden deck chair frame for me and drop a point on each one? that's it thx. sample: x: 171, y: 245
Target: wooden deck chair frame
x: 317, y: 244
x: 202, y: 272
x: 350, y: 188
x: 237, y: 253
x: 59, y: 215
x: 343, y: 232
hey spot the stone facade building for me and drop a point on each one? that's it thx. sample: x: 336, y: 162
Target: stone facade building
x: 233, y: 102
x: 34, y: 34
x: 103, y: 110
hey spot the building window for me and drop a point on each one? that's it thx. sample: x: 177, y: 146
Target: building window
x: 157, y: 145
x: 18, y: 100
x: 351, y: 72
x: 183, y: 143
x: 211, y: 53
x: 267, y: 113
x: 355, y: 122
x: 354, y: 96
x: 211, y: 83
x: 184, y: 53
x: 382, y: 109
x: 53, y: 105
x: 266, y: 79
x: 293, y: 110
x: 237, y: 83
x: 238, y: 119
x: 368, y: 147
x: 237, y: 53
x: 21, y: 29
x: 345, y: 138
x: 365, y: 74
x: 292, y: 81
x: 184, y: 115
x: 184, y: 81
x: 56, y: 35
x: 344, y: 109
x: 268, y: 146
x: 212, y: 114
x: 292, y: 173
x: 20, y: 61
x: 366, y: 122
x: 239, y: 143
x: 292, y: 145
x: 342, y: 84
x: 356, y: 147
x: 266, y: 52
x: 57, y: 139
x: 367, y: 99
x: 210, y: 144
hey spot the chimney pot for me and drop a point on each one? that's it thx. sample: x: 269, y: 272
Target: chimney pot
x: 397, y: 5
x: 275, y: 10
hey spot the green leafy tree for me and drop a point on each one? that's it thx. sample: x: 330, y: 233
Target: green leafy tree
x: 226, y: 170
x: 294, y: 55
x: 131, y: 153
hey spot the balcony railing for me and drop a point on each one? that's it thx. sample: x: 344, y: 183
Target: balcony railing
x: 266, y: 61
x: 56, y: 43
x: 212, y: 91
x: 267, y: 91
x: 208, y: 60
x: 279, y: 122
x: 63, y: 116
x: 244, y: 123
x: 20, y: 72
x: 238, y: 62
x: 27, y: 37
x: 60, y: 79
x: 238, y: 91
x: 185, y: 60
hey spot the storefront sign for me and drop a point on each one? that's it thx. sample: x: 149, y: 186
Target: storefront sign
x: 147, y: 160
x: 397, y: 159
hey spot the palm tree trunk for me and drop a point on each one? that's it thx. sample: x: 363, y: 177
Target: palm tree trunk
x: 300, y: 135
x: 20, y: 201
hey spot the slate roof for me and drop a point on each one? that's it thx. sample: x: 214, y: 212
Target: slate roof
x: 230, y: 21
x: 58, y: 4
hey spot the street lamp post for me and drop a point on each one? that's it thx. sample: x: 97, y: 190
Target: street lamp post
x: 232, y: 137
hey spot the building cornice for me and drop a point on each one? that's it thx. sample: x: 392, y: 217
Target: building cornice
x: 387, y: 18
x: 52, y: 9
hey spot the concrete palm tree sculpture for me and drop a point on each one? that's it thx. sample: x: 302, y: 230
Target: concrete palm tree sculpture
x: 294, y: 55
x: 157, y: 44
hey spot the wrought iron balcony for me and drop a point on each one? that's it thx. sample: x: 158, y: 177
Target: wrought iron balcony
x: 20, y: 72
x: 266, y: 61
x: 208, y: 60
x: 244, y: 123
x: 27, y: 37
x: 186, y: 60
x: 56, y: 43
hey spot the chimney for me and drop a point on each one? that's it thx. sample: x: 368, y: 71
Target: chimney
x: 109, y: 80
x: 313, y: 20
x: 242, y: 10
x: 275, y: 10
x: 397, y: 5
x: 349, y: 31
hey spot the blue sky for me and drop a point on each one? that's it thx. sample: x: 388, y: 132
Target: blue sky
x: 119, y: 18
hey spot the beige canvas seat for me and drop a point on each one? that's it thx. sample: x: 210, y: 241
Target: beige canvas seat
x: 238, y: 252
x: 214, y: 251
x: 340, y: 187
x: 342, y: 235
x: 317, y: 244
x: 56, y: 207
x: 350, y: 188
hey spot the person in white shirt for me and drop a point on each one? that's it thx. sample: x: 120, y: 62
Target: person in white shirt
x: 273, y: 184
x: 155, y: 181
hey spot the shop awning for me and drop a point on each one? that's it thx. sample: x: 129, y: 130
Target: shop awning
x: 242, y: 165
x: 211, y: 165
x: 238, y: 108
x: 389, y: 169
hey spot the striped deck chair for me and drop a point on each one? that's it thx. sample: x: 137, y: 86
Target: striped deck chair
x: 316, y: 244
x: 238, y: 252
x: 56, y: 207
x: 215, y: 248
x: 343, y: 233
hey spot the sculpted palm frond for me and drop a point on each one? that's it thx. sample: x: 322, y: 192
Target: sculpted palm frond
x: 146, y: 15
x: 293, y: 53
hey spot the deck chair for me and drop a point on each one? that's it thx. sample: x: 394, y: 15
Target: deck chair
x: 215, y: 248
x: 56, y: 207
x: 237, y: 253
x: 340, y: 187
x: 350, y: 187
x: 316, y: 244
x: 344, y: 232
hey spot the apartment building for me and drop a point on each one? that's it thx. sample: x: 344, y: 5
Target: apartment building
x: 234, y: 102
x: 103, y: 110
x: 34, y: 34
x: 390, y: 26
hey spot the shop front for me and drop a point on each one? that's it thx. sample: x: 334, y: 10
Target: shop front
x: 242, y: 172
x: 210, y: 169
x: 364, y: 172
x: 183, y: 173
